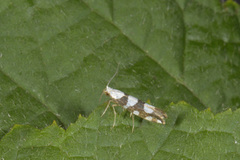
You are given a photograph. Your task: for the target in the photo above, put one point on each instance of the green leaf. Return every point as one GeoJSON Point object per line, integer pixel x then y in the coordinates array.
{"type": "Point", "coordinates": [188, 134]}
{"type": "Point", "coordinates": [57, 56]}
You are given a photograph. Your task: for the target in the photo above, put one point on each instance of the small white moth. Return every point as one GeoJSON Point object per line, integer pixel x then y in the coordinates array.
{"type": "Point", "coordinates": [133, 105]}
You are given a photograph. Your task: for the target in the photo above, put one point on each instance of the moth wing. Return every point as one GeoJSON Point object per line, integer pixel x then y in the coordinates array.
{"type": "Point", "coordinates": [160, 113]}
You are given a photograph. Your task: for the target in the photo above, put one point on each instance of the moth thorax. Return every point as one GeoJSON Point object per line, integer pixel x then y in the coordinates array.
{"type": "Point", "coordinates": [114, 93]}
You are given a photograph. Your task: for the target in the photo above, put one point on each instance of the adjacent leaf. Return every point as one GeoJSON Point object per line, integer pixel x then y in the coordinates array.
{"type": "Point", "coordinates": [188, 134]}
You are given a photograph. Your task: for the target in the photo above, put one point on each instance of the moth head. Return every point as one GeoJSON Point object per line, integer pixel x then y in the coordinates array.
{"type": "Point", "coordinates": [106, 91]}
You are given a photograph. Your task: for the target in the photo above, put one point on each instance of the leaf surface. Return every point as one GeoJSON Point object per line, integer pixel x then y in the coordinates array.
{"type": "Point", "coordinates": [56, 57]}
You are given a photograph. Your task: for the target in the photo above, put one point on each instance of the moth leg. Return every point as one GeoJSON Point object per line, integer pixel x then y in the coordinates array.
{"type": "Point", "coordinates": [115, 114]}
{"type": "Point", "coordinates": [101, 96]}
{"type": "Point", "coordinates": [133, 122]}
{"type": "Point", "coordinates": [106, 107]}
{"type": "Point", "coordinates": [132, 115]}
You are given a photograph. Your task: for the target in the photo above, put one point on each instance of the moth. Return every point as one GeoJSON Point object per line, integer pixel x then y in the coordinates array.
{"type": "Point", "coordinates": [133, 105]}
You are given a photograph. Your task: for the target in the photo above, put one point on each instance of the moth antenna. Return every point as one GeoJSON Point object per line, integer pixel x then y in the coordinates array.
{"type": "Point", "coordinates": [113, 75]}
{"type": "Point", "coordinates": [110, 81]}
